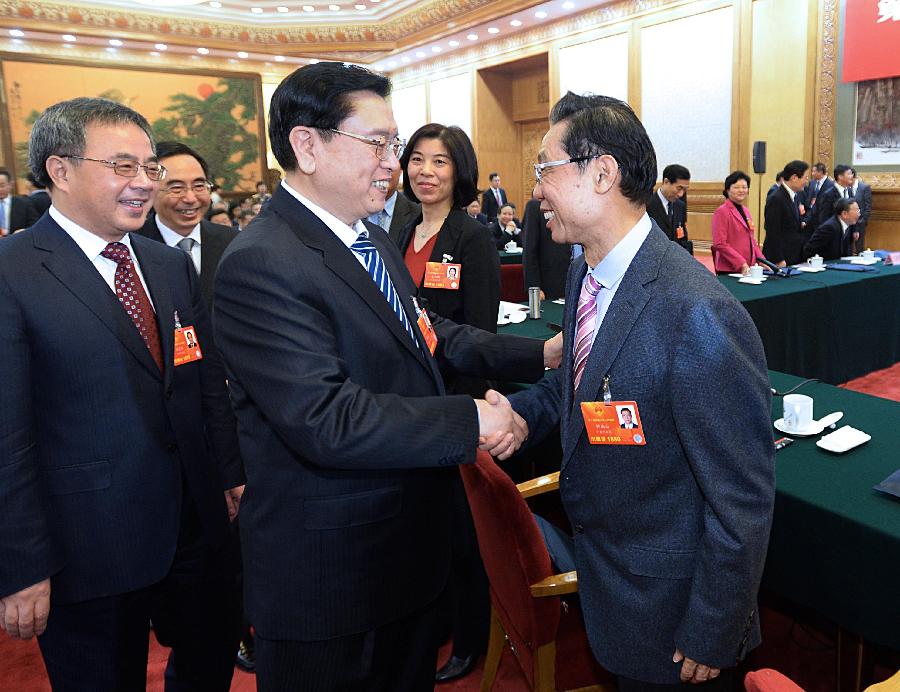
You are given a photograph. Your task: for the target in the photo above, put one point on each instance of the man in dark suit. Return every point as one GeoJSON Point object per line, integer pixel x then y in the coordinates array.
{"type": "Point", "coordinates": [841, 189]}
{"type": "Point", "coordinates": [16, 211]}
{"type": "Point", "coordinates": [784, 241]}
{"type": "Point", "coordinates": [818, 186]}
{"type": "Point", "coordinates": [493, 199]}
{"type": "Point", "coordinates": [862, 192]}
{"type": "Point", "coordinates": [39, 197]}
{"type": "Point", "coordinates": [347, 438]}
{"type": "Point", "coordinates": [667, 207]}
{"type": "Point", "coordinates": [474, 211]}
{"type": "Point", "coordinates": [398, 210]}
{"type": "Point", "coordinates": [545, 262]}
{"type": "Point", "coordinates": [117, 444]}
{"type": "Point", "coordinates": [672, 519]}
{"type": "Point", "coordinates": [180, 206]}
{"type": "Point", "coordinates": [837, 236]}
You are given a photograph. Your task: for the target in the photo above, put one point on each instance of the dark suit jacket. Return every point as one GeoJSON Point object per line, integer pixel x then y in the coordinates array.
{"type": "Point", "coordinates": [810, 201]}
{"type": "Point", "coordinates": [670, 536]}
{"type": "Point", "coordinates": [22, 213]}
{"type": "Point", "coordinates": [824, 208]}
{"type": "Point", "coordinates": [404, 211]}
{"type": "Point", "coordinates": [830, 241]}
{"type": "Point", "coordinates": [347, 440]}
{"type": "Point", "coordinates": [783, 238]}
{"type": "Point", "coordinates": [40, 201]}
{"type": "Point", "coordinates": [545, 262]}
{"type": "Point", "coordinates": [489, 203]}
{"type": "Point", "coordinates": [501, 237]}
{"type": "Point", "coordinates": [96, 440]}
{"type": "Point", "coordinates": [657, 212]}
{"type": "Point", "coordinates": [863, 197]}
{"type": "Point", "coordinates": [214, 238]}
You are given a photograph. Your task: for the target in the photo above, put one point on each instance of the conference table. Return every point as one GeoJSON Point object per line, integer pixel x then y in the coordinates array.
{"type": "Point", "coordinates": [510, 257]}
{"type": "Point", "coordinates": [835, 544]}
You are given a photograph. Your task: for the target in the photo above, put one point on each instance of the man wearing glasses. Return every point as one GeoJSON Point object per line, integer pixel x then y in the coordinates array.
{"type": "Point", "coordinates": [671, 525]}
{"type": "Point", "coordinates": [347, 435]}
{"type": "Point", "coordinates": [116, 456]}
{"type": "Point", "coordinates": [179, 209]}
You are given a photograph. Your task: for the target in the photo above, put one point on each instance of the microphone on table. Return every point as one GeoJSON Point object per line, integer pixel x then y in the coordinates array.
{"type": "Point", "coordinates": [776, 270]}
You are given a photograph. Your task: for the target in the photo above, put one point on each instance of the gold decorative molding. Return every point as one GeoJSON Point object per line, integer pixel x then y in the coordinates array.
{"type": "Point", "coordinates": [882, 181]}
{"type": "Point", "coordinates": [825, 83]}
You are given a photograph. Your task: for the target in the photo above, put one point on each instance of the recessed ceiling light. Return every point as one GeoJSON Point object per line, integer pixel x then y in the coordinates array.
{"type": "Point", "coordinates": [160, 46]}
{"type": "Point", "coordinates": [360, 7]}
{"type": "Point", "coordinates": [309, 8]}
{"type": "Point", "coordinates": [18, 33]}
{"type": "Point", "coordinates": [155, 53]}
{"type": "Point", "coordinates": [68, 37]}
{"type": "Point", "coordinates": [493, 30]}
{"type": "Point", "coordinates": [436, 49]}
{"type": "Point", "coordinates": [392, 63]}
{"type": "Point", "coordinates": [516, 22]}
{"type": "Point", "coordinates": [279, 58]}
{"type": "Point", "coordinates": [376, 0]}
{"type": "Point", "coordinates": [243, 54]}
{"type": "Point", "coordinates": [203, 51]}
{"type": "Point", "coordinates": [472, 37]}
{"type": "Point", "coordinates": [453, 44]}
{"type": "Point", "coordinates": [110, 49]}
{"type": "Point", "coordinates": [540, 14]}
{"type": "Point", "coordinates": [568, 5]}
{"type": "Point", "coordinates": [313, 61]}
{"type": "Point", "coordinates": [420, 53]}
{"type": "Point", "coordinates": [215, 5]}
{"type": "Point", "coordinates": [404, 59]}
{"type": "Point", "coordinates": [256, 10]}
{"type": "Point", "coordinates": [232, 61]}
{"type": "Point", "coordinates": [282, 8]}
{"type": "Point", "coordinates": [334, 8]}
{"type": "Point", "coordinates": [115, 42]}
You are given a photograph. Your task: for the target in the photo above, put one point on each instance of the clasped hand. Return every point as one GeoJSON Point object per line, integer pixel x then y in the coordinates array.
{"type": "Point", "coordinates": [502, 431]}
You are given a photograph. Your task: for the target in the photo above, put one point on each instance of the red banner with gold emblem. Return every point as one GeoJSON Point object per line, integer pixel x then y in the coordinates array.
{"type": "Point", "coordinates": [871, 40]}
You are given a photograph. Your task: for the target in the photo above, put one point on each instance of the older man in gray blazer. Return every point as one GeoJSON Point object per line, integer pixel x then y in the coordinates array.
{"type": "Point", "coordinates": [672, 517]}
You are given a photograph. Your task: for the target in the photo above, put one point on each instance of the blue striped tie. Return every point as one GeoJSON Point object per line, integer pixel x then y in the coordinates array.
{"type": "Point", "coordinates": [375, 266]}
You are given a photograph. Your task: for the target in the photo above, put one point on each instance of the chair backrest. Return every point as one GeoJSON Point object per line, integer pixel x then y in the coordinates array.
{"type": "Point", "coordinates": [512, 283]}
{"type": "Point", "coordinates": [515, 557]}
{"type": "Point", "coordinates": [769, 680]}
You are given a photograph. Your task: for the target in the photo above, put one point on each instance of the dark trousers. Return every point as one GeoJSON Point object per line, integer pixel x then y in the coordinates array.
{"type": "Point", "coordinates": [101, 645]}
{"type": "Point", "coordinates": [398, 657]}
{"type": "Point", "coordinates": [723, 683]}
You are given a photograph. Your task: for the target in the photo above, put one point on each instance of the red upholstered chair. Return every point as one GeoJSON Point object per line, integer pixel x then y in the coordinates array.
{"type": "Point", "coordinates": [546, 635]}
{"type": "Point", "coordinates": [512, 283]}
{"type": "Point", "coordinates": [768, 680]}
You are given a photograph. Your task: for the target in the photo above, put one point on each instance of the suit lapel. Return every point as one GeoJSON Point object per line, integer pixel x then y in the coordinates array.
{"type": "Point", "coordinates": [159, 287]}
{"type": "Point", "coordinates": [69, 265]}
{"type": "Point", "coordinates": [577, 272]}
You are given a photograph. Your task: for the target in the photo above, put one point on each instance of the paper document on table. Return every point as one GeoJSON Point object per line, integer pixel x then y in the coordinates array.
{"type": "Point", "coordinates": [890, 485]}
{"type": "Point", "coordinates": [511, 312]}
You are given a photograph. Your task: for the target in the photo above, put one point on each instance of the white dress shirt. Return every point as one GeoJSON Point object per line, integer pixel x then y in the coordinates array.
{"type": "Point", "coordinates": [172, 238]}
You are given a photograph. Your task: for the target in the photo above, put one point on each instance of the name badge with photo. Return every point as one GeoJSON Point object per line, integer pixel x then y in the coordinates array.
{"type": "Point", "coordinates": [613, 423]}
{"type": "Point", "coordinates": [187, 348]}
{"type": "Point", "coordinates": [443, 275]}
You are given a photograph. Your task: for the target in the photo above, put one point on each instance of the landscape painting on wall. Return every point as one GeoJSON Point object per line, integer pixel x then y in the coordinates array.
{"type": "Point", "coordinates": [877, 138]}
{"type": "Point", "coordinates": [218, 116]}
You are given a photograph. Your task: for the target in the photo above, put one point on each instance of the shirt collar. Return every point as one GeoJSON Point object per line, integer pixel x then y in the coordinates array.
{"type": "Point", "coordinates": [172, 238]}
{"type": "Point", "coordinates": [346, 234]}
{"type": "Point", "coordinates": [789, 190]}
{"type": "Point", "coordinates": [390, 203]}
{"type": "Point", "coordinates": [612, 268]}
{"type": "Point", "coordinates": [662, 197]}
{"type": "Point", "coordinates": [840, 187]}
{"type": "Point", "coordinates": [844, 225]}
{"type": "Point", "coordinates": [91, 245]}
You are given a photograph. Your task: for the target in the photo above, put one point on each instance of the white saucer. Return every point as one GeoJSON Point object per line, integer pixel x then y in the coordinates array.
{"type": "Point", "coordinates": [809, 269]}
{"type": "Point", "coordinates": [750, 280]}
{"type": "Point", "coordinates": [814, 429]}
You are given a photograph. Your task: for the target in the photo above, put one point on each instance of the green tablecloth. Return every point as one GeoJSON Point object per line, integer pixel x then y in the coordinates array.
{"type": "Point", "coordinates": [510, 257]}
{"type": "Point", "coordinates": [833, 325]}
{"type": "Point", "coordinates": [835, 543]}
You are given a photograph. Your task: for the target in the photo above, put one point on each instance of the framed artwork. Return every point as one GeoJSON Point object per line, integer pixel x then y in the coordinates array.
{"type": "Point", "coordinates": [219, 115]}
{"type": "Point", "coordinates": [876, 140]}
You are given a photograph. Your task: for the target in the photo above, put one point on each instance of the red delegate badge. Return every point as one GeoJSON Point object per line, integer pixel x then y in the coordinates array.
{"type": "Point", "coordinates": [442, 275]}
{"type": "Point", "coordinates": [187, 348]}
{"type": "Point", "coordinates": [615, 423]}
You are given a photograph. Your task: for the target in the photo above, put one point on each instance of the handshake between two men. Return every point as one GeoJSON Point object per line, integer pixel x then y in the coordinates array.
{"type": "Point", "coordinates": [501, 431]}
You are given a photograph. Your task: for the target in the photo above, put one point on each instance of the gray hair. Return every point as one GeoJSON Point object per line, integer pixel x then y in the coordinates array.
{"type": "Point", "coordinates": [60, 130]}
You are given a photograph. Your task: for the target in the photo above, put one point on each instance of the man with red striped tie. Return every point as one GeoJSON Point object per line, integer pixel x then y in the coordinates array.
{"type": "Point", "coordinates": [671, 507]}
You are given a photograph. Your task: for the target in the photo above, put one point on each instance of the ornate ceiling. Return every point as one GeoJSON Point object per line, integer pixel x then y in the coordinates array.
{"type": "Point", "coordinates": [294, 31]}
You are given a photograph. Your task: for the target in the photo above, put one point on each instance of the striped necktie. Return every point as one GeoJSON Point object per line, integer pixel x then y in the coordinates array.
{"type": "Point", "coordinates": [585, 320]}
{"type": "Point", "coordinates": [375, 266]}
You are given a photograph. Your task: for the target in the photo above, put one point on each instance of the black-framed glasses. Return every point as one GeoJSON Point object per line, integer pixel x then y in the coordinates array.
{"type": "Point", "coordinates": [126, 167]}
{"type": "Point", "coordinates": [381, 143]}
{"type": "Point", "coordinates": [198, 187]}
{"type": "Point", "coordinates": [539, 168]}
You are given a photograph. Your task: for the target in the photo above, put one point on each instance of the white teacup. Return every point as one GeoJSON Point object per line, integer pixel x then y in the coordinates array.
{"type": "Point", "coordinates": [756, 272]}
{"type": "Point", "coordinates": [815, 261]}
{"type": "Point", "coordinates": [798, 412]}
{"type": "Point", "coordinates": [867, 254]}
{"type": "Point", "coordinates": [510, 246]}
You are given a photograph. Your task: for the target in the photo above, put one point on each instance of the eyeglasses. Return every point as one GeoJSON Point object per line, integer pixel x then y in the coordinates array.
{"type": "Point", "coordinates": [539, 168]}
{"type": "Point", "coordinates": [199, 187]}
{"type": "Point", "coordinates": [380, 143]}
{"type": "Point", "coordinates": [126, 168]}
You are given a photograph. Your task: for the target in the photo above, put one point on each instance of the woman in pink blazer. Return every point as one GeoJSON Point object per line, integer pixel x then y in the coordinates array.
{"type": "Point", "coordinates": [734, 246]}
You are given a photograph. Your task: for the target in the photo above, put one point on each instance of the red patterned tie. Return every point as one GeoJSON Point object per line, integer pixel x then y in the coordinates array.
{"type": "Point", "coordinates": [134, 299]}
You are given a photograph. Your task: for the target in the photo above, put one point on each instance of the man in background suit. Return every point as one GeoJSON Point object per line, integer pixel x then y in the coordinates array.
{"type": "Point", "coordinates": [837, 236]}
{"type": "Point", "coordinates": [398, 210]}
{"type": "Point", "coordinates": [843, 182]}
{"type": "Point", "coordinates": [16, 211]}
{"type": "Point", "coordinates": [180, 206]}
{"type": "Point", "coordinates": [347, 436]}
{"type": "Point", "coordinates": [545, 262]}
{"type": "Point", "coordinates": [784, 241]}
{"type": "Point", "coordinates": [818, 186]}
{"type": "Point", "coordinates": [668, 208]}
{"type": "Point", "coordinates": [863, 194]}
{"type": "Point", "coordinates": [493, 199]}
{"type": "Point", "coordinates": [474, 211]}
{"type": "Point", "coordinates": [114, 453]}
{"type": "Point", "coordinates": [672, 519]}
{"type": "Point", "coordinates": [39, 197]}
